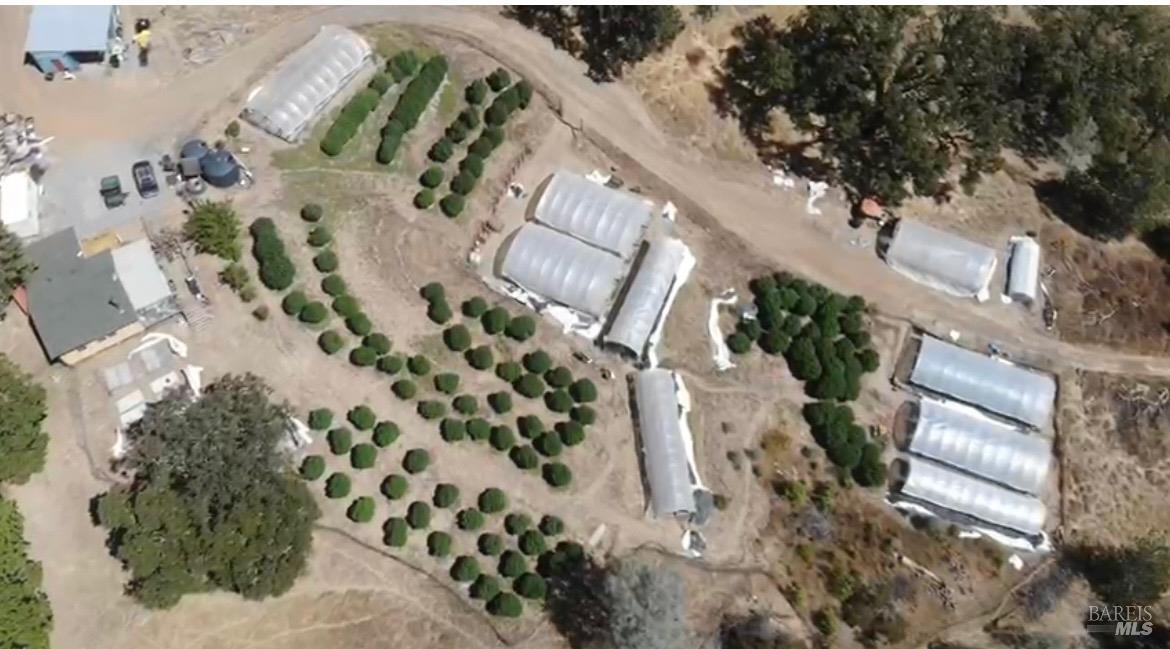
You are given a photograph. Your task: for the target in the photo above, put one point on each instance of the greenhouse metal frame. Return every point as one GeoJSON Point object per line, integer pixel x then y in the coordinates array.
{"type": "Point", "coordinates": [642, 307]}
{"type": "Point", "coordinates": [664, 452]}
{"type": "Point", "coordinates": [562, 269]}
{"type": "Point", "coordinates": [293, 97]}
{"type": "Point", "coordinates": [598, 215]}
{"type": "Point", "coordinates": [962, 438]}
{"type": "Point", "coordinates": [941, 260]}
{"type": "Point", "coordinates": [937, 485]}
{"type": "Point", "coordinates": [992, 384]}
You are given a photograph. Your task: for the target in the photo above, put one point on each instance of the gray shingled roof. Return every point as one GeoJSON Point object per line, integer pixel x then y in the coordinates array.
{"type": "Point", "coordinates": [74, 300]}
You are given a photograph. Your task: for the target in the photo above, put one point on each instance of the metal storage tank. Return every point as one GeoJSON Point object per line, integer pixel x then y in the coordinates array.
{"type": "Point", "coordinates": [220, 169]}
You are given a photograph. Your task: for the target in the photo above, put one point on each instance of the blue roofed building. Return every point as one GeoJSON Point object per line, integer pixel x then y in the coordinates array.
{"type": "Point", "coordinates": [61, 37]}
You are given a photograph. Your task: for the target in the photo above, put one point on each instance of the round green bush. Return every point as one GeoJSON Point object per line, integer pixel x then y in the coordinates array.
{"type": "Point", "coordinates": [501, 402]}
{"type": "Point", "coordinates": [465, 569]}
{"type": "Point", "coordinates": [524, 457]}
{"type": "Point", "coordinates": [739, 343]}
{"type": "Point", "coordinates": [524, 93]}
{"type": "Point", "coordinates": [530, 586]}
{"type": "Point", "coordinates": [361, 510]}
{"type": "Point", "coordinates": [558, 401]}
{"type": "Point", "coordinates": [499, 79]}
{"type": "Point", "coordinates": [419, 365]}
{"type": "Point", "coordinates": [320, 419]}
{"type": "Point", "coordinates": [363, 357]}
{"type": "Point", "coordinates": [516, 523]}
{"type": "Point", "coordinates": [551, 525]}
{"type": "Point", "coordinates": [571, 433]}
{"type": "Point", "coordinates": [548, 444]}
{"type": "Point", "coordinates": [465, 404]}
{"type": "Point", "coordinates": [432, 409]}
{"type": "Point", "coordinates": [457, 338]}
{"type": "Point", "coordinates": [463, 183]}
{"type": "Point", "coordinates": [262, 227]}
{"type": "Point", "coordinates": [416, 460]}
{"type": "Point", "coordinates": [537, 362]}
{"type": "Point", "coordinates": [502, 438]}
{"type": "Point", "coordinates": [424, 199]}
{"type": "Point", "coordinates": [394, 486]}
{"type": "Point", "coordinates": [313, 313]}
{"type": "Point", "coordinates": [472, 164]}
{"type": "Point", "coordinates": [294, 302]}
{"type": "Point", "coordinates": [333, 285]}
{"type": "Point", "coordinates": [312, 212]}
{"type": "Point", "coordinates": [312, 467]}
{"type": "Point", "coordinates": [495, 320]}
{"type": "Point", "coordinates": [380, 343]}
{"type": "Point", "coordinates": [583, 415]}
{"type": "Point", "coordinates": [385, 434]}
{"type": "Point", "coordinates": [521, 328]}
{"type": "Point", "coordinates": [395, 532]}
{"type": "Point", "coordinates": [330, 342]}
{"type": "Point", "coordinates": [505, 605]}
{"type": "Point", "coordinates": [447, 382]}
{"type": "Point", "coordinates": [492, 501]}
{"type": "Point", "coordinates": [433, 292]}
{"type": "Point", "coordinates": [485, 587]}
{"type": "Point", "coordinates": [490, 544]}
{"type": "Point", "coordinates": [380, 83]}
{"type": "Point", "coordinates": [456, 132]}
{"type": "Point", "coordinates": [530, 426]}
{"type": "Point", "coordinates": [469, 519]}
{"type": "Point", "coordinates": [452, 205]}
{"type": "Point", "coordinates": [362, 417]}
{"type": "Point", "coordinates": [445, 495]}
{"type": "Point", "coordinates": [750, 328]}
{"type": "Point", "coordinates": [481, 148]}
{"type": "Point", "coordinates": [438, 544]}
{"type": "Point", "coordinates": [360, 325]}
{"type": "Point", "coordinates": [530, 385]}
{"type": "Point", "coordinates": [277, 273]}
{"type": "Point", "coordinates": [337, 486]}
{"type": "Point", "coordinates": [512, 564]}
{"type": "Point", "coordinates": [556, 474]}
{"type": "Point", "coordinates": [559, 377]}
{"type": "Point", "coordinates": [439, 312]}
{"type": "Point", "coordinates": [325, 261]}
{"type": "Point", "coordinates": [869, 359]}
{"type": "Point", "coordinates": [363, 456]}
{"type": "Point", "coordinates": [478, 429]}
{"type": "Point", "coordinates": [418, 515]}
{"type": "Point", "coordinates": [475, 93]}
{"type": "Point", "coordinates": [583, 391]}
{"type": "Point", "coordinates": [494, 135]}
{"type": "Point", "coordinates": [481, 357]}
{"type": "Point", "coordinates": [320, 236]}
{"type": "Point", "coordinates": [432, 177]}
{"type": "Point", "coordinates": [452, 430]}
{"type": "Point", "coordinates": [509, 371]}
{"type": "Point", "coordinates": [404, 389]}
{"type": "Point", "coordinates": [390, 364]}
{"type": "Point", "coordinates": [474, 307]}
{"type": "Point", "coordinates": [340, 441]}
{"type": "Point", "coordinates": [346, 306]}
{"type": "Point", "coordinates": [442, 150]}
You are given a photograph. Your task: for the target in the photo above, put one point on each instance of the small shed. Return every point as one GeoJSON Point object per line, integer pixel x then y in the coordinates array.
{"type": "Point", "coordinates": [61, 37]}
{"type": "Point", "coordinates": [1023, 270]}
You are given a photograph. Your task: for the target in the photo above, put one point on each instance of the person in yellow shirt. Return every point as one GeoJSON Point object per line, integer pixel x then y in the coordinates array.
{"type": "Point", "coordinates": [142, 40]}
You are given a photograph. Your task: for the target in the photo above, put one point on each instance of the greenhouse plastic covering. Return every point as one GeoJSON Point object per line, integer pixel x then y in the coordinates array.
{"type": "Point", "coordinates": [304, 83]}
{"type": "Point", "coordinates": [940, 259]}
{"type": "Point", "coordinates": [562, 269]}
{"type": "Point", "coordinates": [604, 217]}
{"type": "Point", "coordinates": [647, 295]}
{"type": "Point", "coordinates": [1023, 269]}
{"type": "Point", "coordinates": [949, 489]}
{"type": "Point", "coordinates": [663, 448]}
{"type": "Point", "coordinates": [991, 384]}
{"type": "Point", "coordinates": [964, 439]}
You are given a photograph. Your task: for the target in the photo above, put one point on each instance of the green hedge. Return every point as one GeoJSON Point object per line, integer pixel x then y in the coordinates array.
{"type": "Point", "coordinates": [439, 312]}
{"type": "Point", "coordinates": [432, 177]}
{"type": "Point", "coordinates": [294, 302]}
{"type": "Point", "coordinates": [276, 269]}
{"type": "Point", "coordinates": [346, 306]}
{"type": "Point", "coordinates": [463, 183]}
{"type": "Point", "coordinates": [403, 65]}
{"type": "Point", "coordinates": [583, 391]}
{"type": "Point", "coordinates": [485, 587]}
{"type": "Point", "coordinates": [476, 92]}
{"type": "Point", "coordinates": [356, 110]}
{"type": "Point", "coordinates": [363, 357]}
{"type": "Point", "coordinates": [411, 104]}
{"type": "Point", "coordinates": [505, 605]}
{"type": "Point", "coordinates": [391, 141]}
{"type": "Point", "coordinates": [380, 343]}
{"type": "Point", "coordinates": [441, 150]}
{"type": "Point", "coordinates": [381, 83]}
{"type": "Point", "coordinates": [385, 433]}
{"type": "Point", "coordinates": [472, 164]}
{"type": "Point", "coordinates": [325, 261]}
{"type": "Point", "coordinates": [313, 313]}
{"type": "Point", "coordinates": [456, 132]}
{"type": "Point", "coordinates": [333, 285]}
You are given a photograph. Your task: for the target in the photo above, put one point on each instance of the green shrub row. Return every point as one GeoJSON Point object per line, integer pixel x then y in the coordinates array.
{"type": "Point", "coordinates": [845, 442]}
{"type": "Point", "coordinates": [411, 104]}
{"type": "Point", "coordinates": [356, 110]}
{"type": "Point", "coordinates": [276, 269]}
{"type": "Point", "coordinates": [403, 65]}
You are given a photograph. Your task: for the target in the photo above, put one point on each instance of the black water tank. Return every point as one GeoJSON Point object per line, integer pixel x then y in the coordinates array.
{"type": "Point", "coordinates": [220, 169]}
{"type": "Point", "coordinates": [194, 149]}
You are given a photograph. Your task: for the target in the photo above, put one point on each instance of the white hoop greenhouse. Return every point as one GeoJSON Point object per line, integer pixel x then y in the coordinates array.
{"type": "Point", "coordinates": [607, 218]}
{"type": "Point", "coordinates": [562, 269]}
{"type": "Point", "coordinates": [663, 450]}
{"type": "Point", "coordinates": [941, 260]}
{"type": "Point", "coordinates": [643, 303]}
{"type": "Point", "coordinates": [979, 499]}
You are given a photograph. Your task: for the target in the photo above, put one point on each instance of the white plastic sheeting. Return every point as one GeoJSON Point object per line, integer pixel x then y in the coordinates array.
{"type": "Point", "coordinates": [644, 302]}
{"type": "Point", "coordinates": [1023, 269]}
{"type": "Point", "coordinates": [979, 499]}
{"type": "Point", "coordinates": [20, 198]}
{"type": "Point", "coordinates": [562, 269]}
{"type": "Point", "coordinates": [992, 384]}
{"type": "Point", "coordinates": [720, 352]}
{"type": "Point", "coordinates": [664, 450]}
{"type": "Point", "coordinates": [607, 218]}
{"type": "Point", "coordinates": [941, 260]}
{"type": "Point", "coordinates": [303, 84]}
{"type": "Point", "coordinates": [962, 438]}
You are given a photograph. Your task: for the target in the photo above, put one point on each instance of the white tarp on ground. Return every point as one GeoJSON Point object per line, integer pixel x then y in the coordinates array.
{"type": "Point", "coordinates": [963, 438]}
{"type": "Point", "coordinates": [664, 451]}
{"type": "Point", "coordinates": [289, 100]}
{"type": "Point", "coordinates": [989, 383]}
{"type": "Point", "coordinates": [1023, 269]}
{"type": "Point", "coordinates": [644, 303]}
{"type": "Point", "coordinates": [937, 485]}
{"type": "Point", "coordinates": [607, 218]}
{"type": "Point", "coordinates": [941, 260]}
{"type": "Point", "coordinates": [20, 199]}
{"type": "Point", "coordinates": [561, 269]}
{"type": "Point", "coordinates": [1039, 544]}
{"type": "Point", "coordinates": [720, 352]}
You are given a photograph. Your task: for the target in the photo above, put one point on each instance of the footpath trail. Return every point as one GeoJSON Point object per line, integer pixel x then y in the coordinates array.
{"type": "Point", "coordinates": [612, 115]}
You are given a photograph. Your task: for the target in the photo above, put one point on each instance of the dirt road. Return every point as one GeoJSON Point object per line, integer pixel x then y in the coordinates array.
{"type": "Point", "coordinates": [611, 113]}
